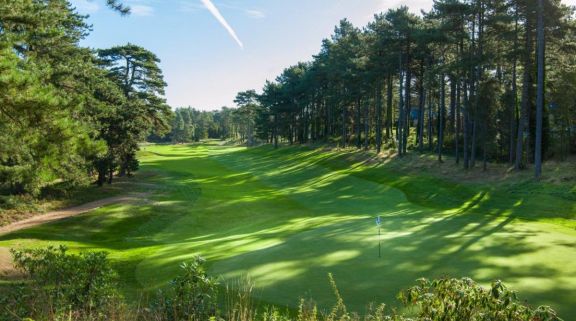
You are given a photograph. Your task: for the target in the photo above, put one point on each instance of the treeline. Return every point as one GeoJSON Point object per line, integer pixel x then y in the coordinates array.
{"type": "Point", "coordinates": [236, 124]}
{"type": "Point", "coordinates": [466, 78]}
{"type": "Point", "coordinates": [68, 113]}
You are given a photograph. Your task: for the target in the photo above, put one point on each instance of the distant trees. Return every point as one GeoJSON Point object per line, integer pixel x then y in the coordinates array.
{"type": "Point", "coordinates": [238, 124]}
{"type": "Point", "coordinates": [64, 113]}
{"type": "Point", "coordinates": [461, 77]}
{"type": "Point", "coordinates": [192, 125]}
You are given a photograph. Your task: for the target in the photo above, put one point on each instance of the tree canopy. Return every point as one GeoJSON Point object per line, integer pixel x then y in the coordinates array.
{"type": "Point", "coordinates": [65, 111]}
{"type": "Point", "coordinates": [458, 79]}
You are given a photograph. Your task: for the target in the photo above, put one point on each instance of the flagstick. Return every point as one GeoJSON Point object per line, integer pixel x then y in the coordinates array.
{"type": "Point", "coordinates": [379, 243]}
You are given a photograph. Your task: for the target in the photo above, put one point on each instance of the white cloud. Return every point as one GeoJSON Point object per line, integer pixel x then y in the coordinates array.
{"type": "Point", "coordinates": [86, 6]}
{"type": "Point", "coordinates": [141, 10]}
{"type": "Point", "coordinates": [256, 14]}
{"type": "Point", "coordinates": [186, 6]}
{"type": "Point", "coordinates": [216, 13]}
{"type": "Point", "coordinates": [252, 13]}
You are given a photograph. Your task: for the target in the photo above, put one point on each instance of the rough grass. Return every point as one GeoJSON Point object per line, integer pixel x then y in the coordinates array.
{"type": "Point", "coordinates": [14, 208]}
{"type": "Point", "coordinates": [288, 217]}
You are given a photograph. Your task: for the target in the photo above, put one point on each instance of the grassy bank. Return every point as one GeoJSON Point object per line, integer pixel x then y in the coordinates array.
{"type": "Point", "coordinates": [14, 208]}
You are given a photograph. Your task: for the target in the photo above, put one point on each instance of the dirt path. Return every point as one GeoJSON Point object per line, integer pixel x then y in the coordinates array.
{"type": "Point", "coordinates": [60, 214]}
{"type": "Point", "coordinates": [7, 271]}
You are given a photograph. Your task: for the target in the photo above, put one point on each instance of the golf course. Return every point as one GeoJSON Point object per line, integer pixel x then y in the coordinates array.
{"type": "Point", "coordinates": [286, 218]}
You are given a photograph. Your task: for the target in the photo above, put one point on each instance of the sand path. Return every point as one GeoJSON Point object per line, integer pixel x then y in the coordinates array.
{"type": "Point", "coordinates": [6, 268]}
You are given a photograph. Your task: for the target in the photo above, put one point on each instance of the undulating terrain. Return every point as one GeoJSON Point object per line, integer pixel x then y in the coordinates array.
{"type": "Point", "coordinates": [288, 217]}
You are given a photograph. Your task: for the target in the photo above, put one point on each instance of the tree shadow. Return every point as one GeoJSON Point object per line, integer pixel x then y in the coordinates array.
{"type": "Point", "coordinates": [289, 217]}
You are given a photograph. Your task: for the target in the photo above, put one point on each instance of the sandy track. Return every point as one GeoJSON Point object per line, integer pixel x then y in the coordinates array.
{"type": "Point", "coordinates": [6, 268]}
{"type": "Point", "coordinates": [60, 214]}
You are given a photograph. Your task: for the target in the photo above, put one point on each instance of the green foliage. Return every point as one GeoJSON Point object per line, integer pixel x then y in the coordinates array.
{"type": "Point", "coordinates": [192, 125]}
{"type": "Point", "coordinates": [463, 299]}
{"type": "Point", "coordinates": [65, 113]}
{"type": "Point", "coordinates": [192, 295]}
{"type": "Point", "coordinates": [136, 72]}
{"type": "Point", "coordinates": [59, 285]}
{"type": "Point", "coordinates": [461, 75]}
{"type": "Point", "coordinates": [234, 124]}
{"type": "Point", "coordinates": [81, 287]}
{"type": "Point", "coordinates": [217, 201]}
{"type": "Point", "coordinates": [39, 139]}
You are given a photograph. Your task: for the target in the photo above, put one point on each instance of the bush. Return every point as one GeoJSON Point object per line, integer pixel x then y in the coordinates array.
{"type": "Point", "coordinates": [62, 286]}
{"type": "Point", "coordinates": [190, 296]}
{"type": "Point", "coordinates": [59, 285]}
{"type": "Point", "coordinates": [463, 299]}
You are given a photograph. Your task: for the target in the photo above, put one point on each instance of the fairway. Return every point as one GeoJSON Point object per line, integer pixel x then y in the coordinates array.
{"type": "Point", "coordinates": [288, 217]}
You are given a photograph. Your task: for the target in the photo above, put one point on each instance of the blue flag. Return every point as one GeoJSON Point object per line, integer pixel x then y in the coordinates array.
{"type": "Point", "coordinates": [378, 221]}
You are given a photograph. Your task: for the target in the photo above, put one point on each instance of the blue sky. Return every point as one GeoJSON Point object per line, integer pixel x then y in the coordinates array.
{"type": "Point", "coordinates": [205, 64]}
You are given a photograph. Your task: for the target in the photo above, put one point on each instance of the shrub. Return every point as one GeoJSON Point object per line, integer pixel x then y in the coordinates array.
{"type": "Point", "coordinates": [463, 299]}
{"type": "Point", "coordinates": [62, 286]}
{"type": "Point", "coordinates": [190, 296]}
{"type": "Point", "coordinates": [59, 285]}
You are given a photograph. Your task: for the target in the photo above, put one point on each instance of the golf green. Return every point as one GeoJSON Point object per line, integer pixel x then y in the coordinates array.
{"type": "Point", "coordinates": [288, 217]}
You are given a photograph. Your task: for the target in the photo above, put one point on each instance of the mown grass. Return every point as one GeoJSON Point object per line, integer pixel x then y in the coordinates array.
{"type": "Point", "coordinates": [288, 217]}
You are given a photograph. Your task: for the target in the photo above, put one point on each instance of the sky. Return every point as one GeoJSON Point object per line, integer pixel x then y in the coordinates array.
{"type": "Point", "coordinates": [212, 49]}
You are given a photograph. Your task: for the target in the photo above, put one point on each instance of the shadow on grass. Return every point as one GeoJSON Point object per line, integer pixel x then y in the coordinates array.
{"type": "Point", "coordinates": [289, 217]}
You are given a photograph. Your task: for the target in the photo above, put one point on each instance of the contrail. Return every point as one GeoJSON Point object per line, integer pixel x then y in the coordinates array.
{"type": "Point", "coordinates": [216, 13]}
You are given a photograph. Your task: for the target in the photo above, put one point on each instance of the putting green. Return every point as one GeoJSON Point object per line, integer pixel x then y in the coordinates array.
{"type": "Point", "coordinates": [289, 217]}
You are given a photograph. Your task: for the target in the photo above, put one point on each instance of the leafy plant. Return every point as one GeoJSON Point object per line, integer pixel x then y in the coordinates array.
{"type": "Point", "coordinates": [60, 284]}
{"type": "Point", "coordinates": [191, 296]}
{"type": "Point", "coordinates": [463, 299]}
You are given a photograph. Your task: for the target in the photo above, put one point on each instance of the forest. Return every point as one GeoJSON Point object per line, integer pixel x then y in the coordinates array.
{"type": "Point", "coordinates": [467, 79]}
{"type": "Point", "coordinates": [68, 113]}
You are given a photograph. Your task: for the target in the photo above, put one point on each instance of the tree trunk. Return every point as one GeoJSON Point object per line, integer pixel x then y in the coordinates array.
{"type": "Point", "coordinates": [407, 105]}
{"type": "Point", "coordinates": [441, 108]}
{"type": "Point", "coordinates": [540, 93]}
{"type": "Point", "coordinates": [421, 105]}
{"type": "Point", "coordinates": [430, 127]}
{"type": "Point", "coordinates": [453, 105]}
{"type": "Point", "coordinates": [101, 177]}
{"type": "Point", "coordinates": [389, 109]}
{"type": "Point", "coordinates": [400, 129]}
{"type": "Point", "coordinates": [513, 112]}
{"type": "Point", "coordinates": [110, 174]}
{"type": "Point", "coordinates": [358, 124]}
{"type": "Point", "coordinates": [523, 124]}
{"type": "Point", "coordinates": [466, 127]}
{"type": "Point", "coordinates": [123, 169]}
{"type": "Point", "coordinates": [457, 120]}
{"type": "Point", "coordinates": [474, 138]}
{"type": "Point", "coordinates": [485, 149]}
{"type": "Point", "coordinates": [275, 131]}
{"type": "Point", "coordinates": [378, 119]}
{"type": "Point", "coordinates": [344, 138]}
{"type": "Point", "coordinates": [366, 125]}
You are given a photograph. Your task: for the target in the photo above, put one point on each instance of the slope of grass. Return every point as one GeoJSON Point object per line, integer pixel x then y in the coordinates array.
{"type": "Point", "coordinates": [15, 208]}
{"type": "Point", "coordinates": [288, 217]}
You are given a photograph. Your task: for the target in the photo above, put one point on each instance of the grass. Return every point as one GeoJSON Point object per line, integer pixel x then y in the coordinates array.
{"type": "Point", "coordinates": [57, 196]}
{"type": "Point", "coordinates": [288, 217]}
